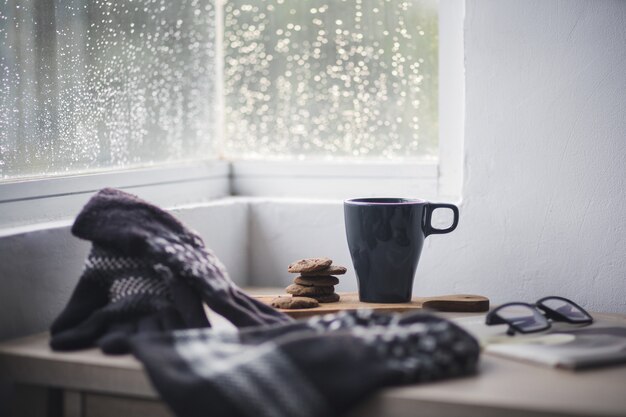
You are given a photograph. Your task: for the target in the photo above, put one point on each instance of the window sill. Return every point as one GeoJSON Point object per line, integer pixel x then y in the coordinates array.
{"type": "Point", "coordinates": [335, 179]}
{"type": "Point", "coordinates": [31, 201]}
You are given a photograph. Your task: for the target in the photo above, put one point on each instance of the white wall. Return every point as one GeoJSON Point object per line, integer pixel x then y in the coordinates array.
{"type": "Point", "coordinates": [545, 191]}
{"type": "Point", "coordinates": [544, 196]}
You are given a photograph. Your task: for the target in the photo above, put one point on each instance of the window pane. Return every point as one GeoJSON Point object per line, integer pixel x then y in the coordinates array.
{"type": "Point", "coordinates": [326, 78]}
{"type": "Point", "coordinates": [89, 84]}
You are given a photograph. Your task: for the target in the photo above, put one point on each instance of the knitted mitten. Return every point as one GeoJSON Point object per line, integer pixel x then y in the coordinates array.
{"type": "Point", "coordinates": [132, 227]}
{"type": "Point", "coordinates": [118, 296]}
{"type": "Point", "coordinates": [322, 366]}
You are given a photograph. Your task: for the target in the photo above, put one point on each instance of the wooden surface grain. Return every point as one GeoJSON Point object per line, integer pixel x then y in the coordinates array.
{"type": "Point", "coordinates": [462, 303]}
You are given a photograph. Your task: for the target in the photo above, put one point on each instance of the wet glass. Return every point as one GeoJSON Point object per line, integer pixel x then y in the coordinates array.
{"type": "Point", "coordinates": [87, 85]}
{"type": "Point", "coordinates": [99, 84]}
{"type": "Point", "coordinates": [331, 78]}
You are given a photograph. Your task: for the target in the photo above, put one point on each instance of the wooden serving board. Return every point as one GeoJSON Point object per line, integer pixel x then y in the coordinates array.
{"type": "Point", "coordinates": [465, 303]}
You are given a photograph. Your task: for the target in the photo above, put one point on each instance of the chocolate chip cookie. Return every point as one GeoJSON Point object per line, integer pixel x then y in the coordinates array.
{"type": "Point", "coordinates": [310, 265]}
{"type": "Point", "coordinates": [326, 298]}
{"type": "Point", "coordinates": [329, 270]}
{"type": "Point", "coordinates": [296, 289]}
{"type": "Point", "coordinates": [315, 281]}
{"type": "Point", "coordinates": [291, 303]}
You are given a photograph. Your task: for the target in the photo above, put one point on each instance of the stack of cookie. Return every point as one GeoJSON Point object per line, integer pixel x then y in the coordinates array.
{"type": "Point", "coordinates": [315, 284]}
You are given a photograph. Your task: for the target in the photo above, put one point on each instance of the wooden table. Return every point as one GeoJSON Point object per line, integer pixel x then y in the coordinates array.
{"type": "Point", "coordinates": [90, 384]}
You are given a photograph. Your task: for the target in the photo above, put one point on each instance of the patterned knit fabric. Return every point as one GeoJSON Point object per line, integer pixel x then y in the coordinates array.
{"type": "Point", "coordinates": [118, 296]}
{"type": "Point", "coordinates": [200, 267]}
{"type": "Point", "coordinates": [146, 272]}
{"type": "Point", "coordinates": [124, 276]}
{"type": "Point", "coordinates": [135, 228]}
{"type": "Point", "coordinates": [321, 366]}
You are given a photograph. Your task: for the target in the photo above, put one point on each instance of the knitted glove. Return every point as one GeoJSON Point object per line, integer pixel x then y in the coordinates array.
{"type": "Point", "coordinates": [118, 296]}
{"type": "Point", "coordinates": [323, 366]}
{"type": "Point", "coordinates": [114, 219]}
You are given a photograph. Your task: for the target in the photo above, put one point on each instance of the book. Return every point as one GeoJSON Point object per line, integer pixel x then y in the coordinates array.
{"type": "Point", "coordinates": [564, 345]}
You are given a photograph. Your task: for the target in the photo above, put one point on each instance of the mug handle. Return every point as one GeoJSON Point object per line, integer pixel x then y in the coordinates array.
{"type": "Point", "coordinates": [430, 208]}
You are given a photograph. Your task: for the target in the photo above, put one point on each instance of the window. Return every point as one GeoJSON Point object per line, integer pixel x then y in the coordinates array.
{"type": "Point", "coordinates": [92, 84]}
{"type": "Point", "coordinates": [331, 78]}
{"type": "Point", "coordinates": [107, 85]}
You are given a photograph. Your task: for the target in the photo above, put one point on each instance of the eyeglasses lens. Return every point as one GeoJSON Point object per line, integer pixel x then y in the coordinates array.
{"type": "Point", "coordinates": [566, 309]}
{"type": "Point", "coordinates": [525, 318]}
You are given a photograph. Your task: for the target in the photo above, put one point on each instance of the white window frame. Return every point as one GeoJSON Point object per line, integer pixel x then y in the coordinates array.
{"type": "Point", "coordinates": [38, 200]}
{"type": "Point", "coordinates": [451, 99]}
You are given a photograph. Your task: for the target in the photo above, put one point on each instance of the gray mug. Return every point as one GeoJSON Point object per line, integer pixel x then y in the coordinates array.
{"type": "Point", "coordinates": [385, 238]}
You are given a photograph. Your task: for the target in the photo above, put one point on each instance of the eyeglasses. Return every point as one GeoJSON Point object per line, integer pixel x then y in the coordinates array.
{"type": "Point", "coordinates": [531, 318]}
